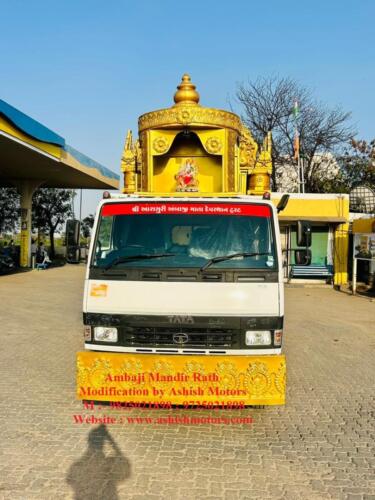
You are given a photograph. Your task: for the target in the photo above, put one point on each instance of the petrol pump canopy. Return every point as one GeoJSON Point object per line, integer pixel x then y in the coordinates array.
{"type": "Point", "coordinates": [29, 150]}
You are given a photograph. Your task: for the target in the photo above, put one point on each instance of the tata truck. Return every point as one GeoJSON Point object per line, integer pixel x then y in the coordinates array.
{"type": "Point", "coordinates": [184, 302]}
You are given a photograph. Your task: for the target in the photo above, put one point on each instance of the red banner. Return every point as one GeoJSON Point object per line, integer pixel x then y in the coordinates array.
{"type": "Point", "coordinates": [172, 208]}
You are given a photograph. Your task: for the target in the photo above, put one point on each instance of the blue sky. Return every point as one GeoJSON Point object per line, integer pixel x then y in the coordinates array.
{"type": "Point", "coordinates": [88, 69]}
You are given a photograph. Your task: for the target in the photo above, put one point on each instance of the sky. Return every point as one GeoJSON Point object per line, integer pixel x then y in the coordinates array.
{"type": "Point", "coordinates": [87, 69]}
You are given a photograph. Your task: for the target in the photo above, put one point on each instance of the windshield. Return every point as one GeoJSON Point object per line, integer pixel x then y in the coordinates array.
{"type": "Point", "coordinates": [172, 234]}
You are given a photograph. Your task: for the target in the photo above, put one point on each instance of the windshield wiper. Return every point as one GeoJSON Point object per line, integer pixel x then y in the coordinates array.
{"type": "Point", "coordinates": [231, 256]}
{"type": "Point", "coordinates": [142, 256]}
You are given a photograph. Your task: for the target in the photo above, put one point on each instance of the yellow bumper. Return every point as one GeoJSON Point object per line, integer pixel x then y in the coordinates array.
{"type": "Point", "coordinates": [181, 380]}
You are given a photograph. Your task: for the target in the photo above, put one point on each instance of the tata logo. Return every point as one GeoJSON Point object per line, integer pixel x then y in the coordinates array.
{"type": "Point", "coordinates": [181, 320]}
{"type": "Point", "coordinates": [180, 338]}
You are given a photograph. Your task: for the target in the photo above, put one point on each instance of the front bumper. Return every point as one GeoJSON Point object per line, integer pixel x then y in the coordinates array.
{"type": "Point", "coordinates": [181, 379]}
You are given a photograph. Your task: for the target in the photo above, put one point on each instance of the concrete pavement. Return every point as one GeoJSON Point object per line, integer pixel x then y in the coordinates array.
{"type": "Point", "coordinates": [320, 445]}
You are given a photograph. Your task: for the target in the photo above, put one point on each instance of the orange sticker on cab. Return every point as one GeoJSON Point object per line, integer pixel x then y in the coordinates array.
{"type": "Point", "coordinates": [98, 290]}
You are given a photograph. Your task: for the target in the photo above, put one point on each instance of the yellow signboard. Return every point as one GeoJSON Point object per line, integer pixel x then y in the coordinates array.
{"type": "Point", "coordinates": [181, 379]}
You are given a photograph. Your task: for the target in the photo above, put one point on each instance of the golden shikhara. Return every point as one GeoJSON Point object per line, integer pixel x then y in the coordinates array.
{"type": "Point", "coordinates": [226, 158]}
{"type": "Point", "coordinates": [251, 380]}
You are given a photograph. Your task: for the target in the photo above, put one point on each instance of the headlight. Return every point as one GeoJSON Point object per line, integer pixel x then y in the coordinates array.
{"type": "Point", "coordinates": [258, 337]}
{"type": "Point", "coordinates": [105, 334]}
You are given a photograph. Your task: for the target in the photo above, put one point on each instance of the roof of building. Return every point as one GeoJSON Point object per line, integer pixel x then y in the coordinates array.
{"type": "Point", "coordinates": [30, 126]}
{"type": "Point", "coordinates": [22, 138]}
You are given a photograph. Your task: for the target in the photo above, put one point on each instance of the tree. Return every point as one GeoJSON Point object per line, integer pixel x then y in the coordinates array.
{"type": "Point", "coordinates": [357, 167]}
{"type": "Point", "coordinates": [87, 225]}
{"type": "Point", "coordinates": [358, 164]}
{"type": "Point", "coordinates": [51, 208]}
{"type": "Point", "coordinates": [9, 209]}
{"type": "Point", "coordinates": [268, 106]}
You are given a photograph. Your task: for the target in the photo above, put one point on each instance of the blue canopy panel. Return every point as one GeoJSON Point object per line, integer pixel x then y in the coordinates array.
{"type": "Point", "coordinates": [30, 126]}
{"type": "Point", "coordinates": [88, 162]}
{"type": "Point", "coordinates": [37, 131]}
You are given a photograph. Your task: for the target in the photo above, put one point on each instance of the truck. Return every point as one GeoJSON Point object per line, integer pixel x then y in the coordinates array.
{"type": "Point", "coordinates": [184, 295]}
{"type": "Point", "coordinates": [195, 280]}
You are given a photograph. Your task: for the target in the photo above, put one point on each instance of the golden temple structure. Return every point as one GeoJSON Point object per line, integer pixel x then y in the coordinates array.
{"type": "Point", "coordinates": [188, 149]}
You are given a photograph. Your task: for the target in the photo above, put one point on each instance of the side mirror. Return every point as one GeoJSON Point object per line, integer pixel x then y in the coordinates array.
{"type": "Point", "coordinates": [282, 203]}
{"type": "Point", "coordinates": [302, 257]}
{"type": "Point", "coordinates": [304, 233]}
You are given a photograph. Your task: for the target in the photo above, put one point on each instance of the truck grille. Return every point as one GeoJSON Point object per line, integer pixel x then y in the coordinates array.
{"type": "Point", "coordinates": [179, 337]}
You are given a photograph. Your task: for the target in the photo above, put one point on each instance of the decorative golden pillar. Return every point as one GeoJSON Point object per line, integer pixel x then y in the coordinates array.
{"type": "Point", "coordinates": [130, 163]}
{"type": "Point", "coordinates": [260, 175]}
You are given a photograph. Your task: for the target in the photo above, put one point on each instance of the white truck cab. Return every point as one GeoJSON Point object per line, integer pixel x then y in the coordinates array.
{"type": "Point", "coordinates": [186, 276]}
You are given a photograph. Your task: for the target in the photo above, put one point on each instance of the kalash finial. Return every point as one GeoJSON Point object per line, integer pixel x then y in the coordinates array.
{"type": "Point", "coordinates": [186, 93]}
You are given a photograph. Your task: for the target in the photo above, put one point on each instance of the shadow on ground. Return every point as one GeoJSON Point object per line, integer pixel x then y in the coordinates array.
{"type": "Point", "coordinates": [97, 473]}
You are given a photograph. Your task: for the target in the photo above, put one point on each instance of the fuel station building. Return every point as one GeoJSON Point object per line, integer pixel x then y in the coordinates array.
{"type": "Point", "coordinates": [33, 156]}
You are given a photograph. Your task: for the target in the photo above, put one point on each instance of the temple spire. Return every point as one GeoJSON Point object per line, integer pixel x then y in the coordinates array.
{"type": "Point", "coordinates": [186, 93]}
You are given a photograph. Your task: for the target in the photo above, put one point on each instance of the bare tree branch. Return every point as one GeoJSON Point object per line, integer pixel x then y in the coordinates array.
{"type": "Point", "coordinates": [268, 106]}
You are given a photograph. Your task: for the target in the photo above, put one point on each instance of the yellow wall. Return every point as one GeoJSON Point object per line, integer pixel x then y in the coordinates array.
{"type": "Point", "coordinates": [341, 254]}
{"type": "Point", "coordinates": [334, 207]}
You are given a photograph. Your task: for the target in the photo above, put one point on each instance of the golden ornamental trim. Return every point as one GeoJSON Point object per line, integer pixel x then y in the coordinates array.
{"type": "Point", "coordinates": [185, 116]}
{"type": "Point", "coordinates": [189, 115]}
{"type": "Point", "coordinates": [213, 145]}
{"type": "Point", "coordinates": [257, 379]}
{"type": "Point", "coordinates": [133, 377]}
{"type": "Point", "coordinates": [160, 144]}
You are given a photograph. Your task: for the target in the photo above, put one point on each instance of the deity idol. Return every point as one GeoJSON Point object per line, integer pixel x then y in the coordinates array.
{"type": "Point", "coordinates": [187, 177]}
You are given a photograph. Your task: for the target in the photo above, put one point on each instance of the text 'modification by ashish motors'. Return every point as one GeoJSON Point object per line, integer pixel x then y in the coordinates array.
{"type": "Point", "coordinates": [161, 386]}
